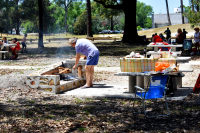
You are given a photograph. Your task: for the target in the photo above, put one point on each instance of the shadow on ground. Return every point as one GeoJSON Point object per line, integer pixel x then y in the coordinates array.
{"type": "Point", "coordinates": [96, 115]}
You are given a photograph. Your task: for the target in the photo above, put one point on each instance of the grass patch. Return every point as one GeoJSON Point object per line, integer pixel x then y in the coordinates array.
{"type": "Point", "coordinates": [31, 101]}
{"type": "Point", "coordinates": [81, 129]}
{"type": "Point", "coordinates": [173, 29]}
{"type": "Point", "coordinates": [78, 100]}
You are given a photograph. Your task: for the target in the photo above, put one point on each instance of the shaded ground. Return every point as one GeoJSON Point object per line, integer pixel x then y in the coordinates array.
{"type": "Point", "coordinates": [27, 110]}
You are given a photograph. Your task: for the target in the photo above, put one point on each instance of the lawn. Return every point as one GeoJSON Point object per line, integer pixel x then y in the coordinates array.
{"type": "Point", "coordinates": [173, 29]}
{"type": "Point", "coordinates": [61, 35]}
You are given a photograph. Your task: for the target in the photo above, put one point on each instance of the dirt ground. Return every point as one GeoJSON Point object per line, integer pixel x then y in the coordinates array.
{"type": "Point", "coordinates": [23, 109]}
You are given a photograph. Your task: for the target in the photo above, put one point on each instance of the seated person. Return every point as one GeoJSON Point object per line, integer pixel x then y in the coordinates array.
{"type": "Point", "coordinates": [15, 49]}
{"type": "Point", "coordinates": [162, 37]}
{"type": "Point", "coordinates": [4, 40]}
{"type": "Point", "coordinates": [180, 38]}
{"type": "Point", "coordinates": [157, 38]}
{"type": "Point", "coordinates": [1, 45]}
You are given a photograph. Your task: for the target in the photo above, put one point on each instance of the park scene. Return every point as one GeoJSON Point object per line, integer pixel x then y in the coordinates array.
{"type": "Point", "coordinates": [99, 66]}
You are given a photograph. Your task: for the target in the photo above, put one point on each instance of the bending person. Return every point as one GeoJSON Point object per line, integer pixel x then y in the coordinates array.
{"type": "Point", "coordinates": [88, 49]}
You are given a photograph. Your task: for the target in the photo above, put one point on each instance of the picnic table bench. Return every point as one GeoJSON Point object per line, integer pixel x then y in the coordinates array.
{"type": "Point", "coordinates": [101, 38]}
{"type": "Point", "coordinates": [2, 53]}
{"type": "Point", "coordinates": [57, 39]}
{"type": "Point", "coordinates": [141, 79]}
{"type": "Point", "coordinates": [26, 40]}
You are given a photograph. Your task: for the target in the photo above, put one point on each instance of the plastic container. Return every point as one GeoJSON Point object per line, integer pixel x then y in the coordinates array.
{"type": "Point", "coordinates": [165, 54]}
{"type": "Point", "coordinates": [156, 56]}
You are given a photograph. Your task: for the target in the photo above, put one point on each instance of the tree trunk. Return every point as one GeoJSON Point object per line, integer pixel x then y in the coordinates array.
{"type": "Point", "coordinates": [192, 3]}
{"type": "Point", "coordinates": [65, 19]}
{"type": "Point", "coordinates": [11, 31]}
{"type": "Point", "coordinates": [111, 23]}
{"type": "Point", "coordinates": [130, 30]}
{"type": "Point", "coordinates": [40, 42]}
{"type": "Point", "coordinates": [89, 20]}
{"type": "Point", "coordinates": [17, 31]}
{"type": "Point", "coordinates": [182, 12]}
{"type": "Point", "coordinates": [169, 21]}
{"type": "Point", "coordinates": [197, 5]}
{"type": "Point", "coordinates": [17, 10]}
{"type": "Point", "coordinates": [7, 18]}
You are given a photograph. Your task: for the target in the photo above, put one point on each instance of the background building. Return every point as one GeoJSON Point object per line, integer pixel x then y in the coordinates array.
{"type": "Point", "coordinates": [160, 20]}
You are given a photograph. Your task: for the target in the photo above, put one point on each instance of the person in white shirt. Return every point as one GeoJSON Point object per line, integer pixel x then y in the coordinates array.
{"type": "Point", "coordinates": [4, 40]}
{"type": "Point", "coordinates": [196, 39]}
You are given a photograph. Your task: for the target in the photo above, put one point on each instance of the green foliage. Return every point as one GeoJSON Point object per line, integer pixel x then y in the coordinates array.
{"type": "Point", "coordinates": [148, 22]}
{"type": "Point", "coordinates": [142, 14]}
{"type": "Point", "coordinates": [106, 13]}
{"type": "Point", "coordinates": [80, 27]}
{"type": "Point", "coordinates": [139, 28]}
{"type": "Point", "coordinates": [193, 16]}
{"type": "Point", "coordinates": [29, 27]}
{"type": "Point", "coordinates": [30, 16]}
{"type": "Point", "coordinates": [74, 11]}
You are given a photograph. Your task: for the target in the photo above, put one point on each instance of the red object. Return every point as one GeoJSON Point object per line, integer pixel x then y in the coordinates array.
{"type": "Point", "coordinates": [161, 66]}
{"type": "Point", "coordinates": [163, 48]}
{"type": "Point", "coordinates": [157, 38]}
{"type": "Point", "coordinates": [196, 88]}
{"type": "Point", "coordinates": [16, 47]}
{"type": "Point", "coordinates": [104, 23]}
{"type": "Point", "coordinates": [194, 50]}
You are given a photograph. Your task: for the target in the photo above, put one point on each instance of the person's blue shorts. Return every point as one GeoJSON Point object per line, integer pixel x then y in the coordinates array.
{"type": "Point", "coordinates": [23, 45]}
{"type": "Point", "coordinates": [92, 60]}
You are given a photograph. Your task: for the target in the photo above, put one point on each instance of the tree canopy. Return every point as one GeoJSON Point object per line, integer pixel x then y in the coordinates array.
{"type": "Point", "coordinates": [193, 13]}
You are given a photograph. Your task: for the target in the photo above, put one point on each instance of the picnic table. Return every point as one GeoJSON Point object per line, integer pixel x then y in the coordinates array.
{"type": "Point", "coordinates": [147, 64]}
{"type": "Point", "coordinates": [139, 70]}
{"type": "Point", "coordinates": [173, 47]}
{"type": "Point", "coordinates": [7, 50]}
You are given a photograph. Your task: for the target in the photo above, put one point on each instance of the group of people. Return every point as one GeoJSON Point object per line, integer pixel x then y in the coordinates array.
{"type": "Point", "coordinates": [15, 49]}
{"type": "Point", "coordinates": [180, 37]}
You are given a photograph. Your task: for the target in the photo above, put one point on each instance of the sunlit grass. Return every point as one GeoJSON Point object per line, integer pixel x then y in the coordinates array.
{"type": "Point", "coordinates": [173, 29]}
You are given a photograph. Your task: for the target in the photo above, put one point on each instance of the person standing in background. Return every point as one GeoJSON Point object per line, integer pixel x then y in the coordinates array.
{"type": "Point", "coordinates": [184, 33]}
{"type": "Point", "coordinates": [168, 34]}
{"type": "Point", "coordinates": [196, 39]}
{"type": "Point", "coordinates": [24, 43]}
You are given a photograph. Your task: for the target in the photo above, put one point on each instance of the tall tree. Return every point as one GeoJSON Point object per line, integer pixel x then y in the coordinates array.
{"type": "Point", "coordinates": [192, 4]}
{"type": "Point", "coordinates": [129, 9]}
{"type": "Point", "coordinates": [89, 20]}
{"type": "Point", "coordinates": [106, 13]}
{"type": "Point", "coordinates": [142, 14]}
{"type": "Point", "coordinates": [7, 6]}
{"type": "Point", "coordinates": [65, 4]}
{"type": "Point", "coordinates": [169, 21]}
{"type": "Point", "coordinates": [193, 14]}
{"type": "Point", "coordinates": [40, 6]}
{"type": "Point", "coordinates": [17, 15]}
{"type": "Point", "coordinates": [182, 12]}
